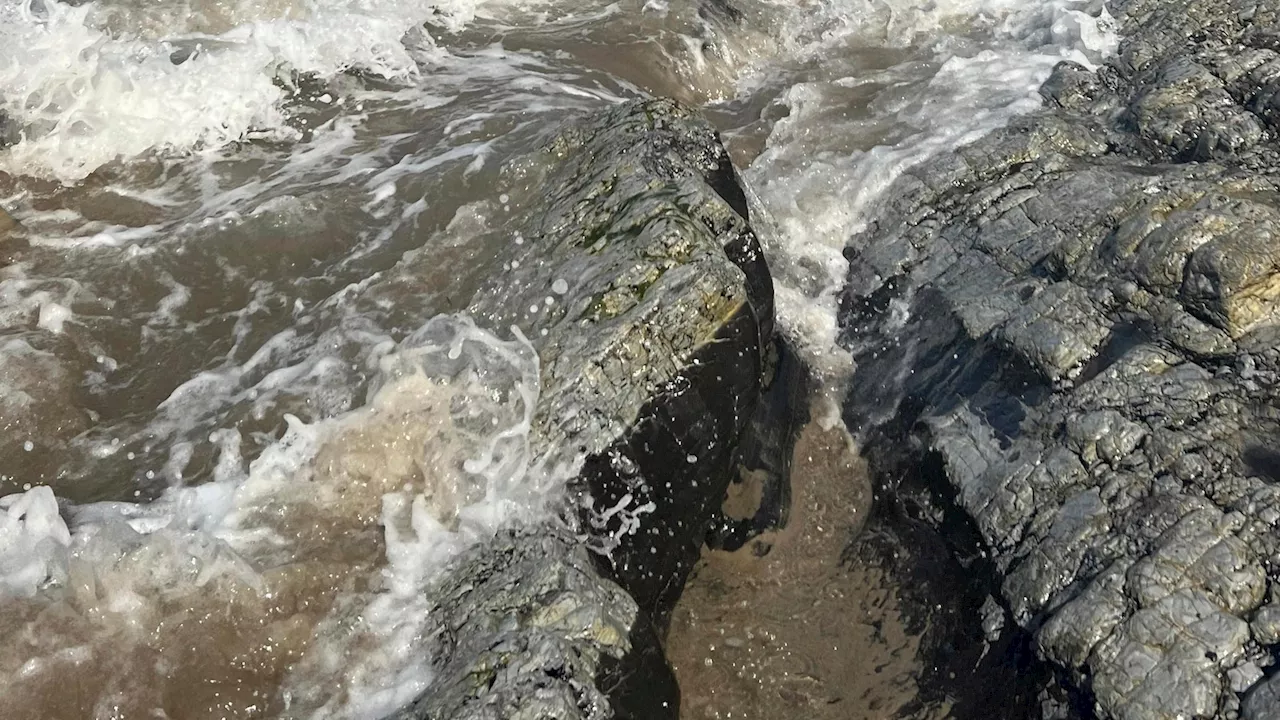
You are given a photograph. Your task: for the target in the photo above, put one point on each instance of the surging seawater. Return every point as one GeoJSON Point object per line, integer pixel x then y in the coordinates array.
{"type": "Point", "coordinates": [233, 453]}
{"type": "Point", "coordinates": [871, 90]}
{"type": "Point", "coordinates": [289, 590]}
{"type": "Point", "coordinates": [91, 83]}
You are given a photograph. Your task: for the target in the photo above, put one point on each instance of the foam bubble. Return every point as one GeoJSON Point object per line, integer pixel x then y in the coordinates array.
{"type": "Point", "coordinates": [33, 538]}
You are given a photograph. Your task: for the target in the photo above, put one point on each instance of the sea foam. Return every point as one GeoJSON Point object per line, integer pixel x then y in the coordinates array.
{"type": "Point", "coordinates": [309, 571]}
{"type": "Point", "coordinates": [91, 83]}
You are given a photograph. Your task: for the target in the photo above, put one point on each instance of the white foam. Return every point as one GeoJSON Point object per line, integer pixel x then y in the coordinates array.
{"type": "Point", "coordinates": [92, 83]}
{"type": "Point", "coordinates": [52, 316]}
{"type": "Point", "coordinates": [33, 541]}
{"type": "Point", "coordinates": [439, 456]}
{"type": "Point", "coordinates": [25, 301]}
{"type": "Point", "coordinates": [493, 483]}
{"type": "Point", "coordinates": [85, 99]}
{"type": "Point", "coordinates": [818, 25]}
{"type": "Point", "coordinates": [825, 169]}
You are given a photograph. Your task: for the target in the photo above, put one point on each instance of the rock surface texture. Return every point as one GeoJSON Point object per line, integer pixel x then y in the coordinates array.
{"type": "Point", "coordinates": [652, 348]}
{"type": "Point", "coordinates": [1080, 317]}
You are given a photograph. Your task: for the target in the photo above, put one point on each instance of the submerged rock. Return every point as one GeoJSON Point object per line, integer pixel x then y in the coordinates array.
{"type": "Point", "coordinates": [1090, 350]}
{"type": "Point", "coordinates": [643, 289]}
{"type": "Point", "coordinates": [39, 408]}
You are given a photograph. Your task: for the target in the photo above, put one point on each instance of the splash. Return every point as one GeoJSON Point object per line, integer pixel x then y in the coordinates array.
{"type": "Point", "coordinates": [89, 84]}
{"type": "Point", "coordinates": [294, 589]}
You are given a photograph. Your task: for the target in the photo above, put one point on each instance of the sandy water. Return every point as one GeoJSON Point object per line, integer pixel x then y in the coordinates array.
{"type": "Point", "coordinates": [856, 608]}
{"type": "Point", "coordinates": [787, 624]}
{"type": "Point", "coordinates": [237, 223]}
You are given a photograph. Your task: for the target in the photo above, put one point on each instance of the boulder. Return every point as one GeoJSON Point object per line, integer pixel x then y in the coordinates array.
{"type": "Point", "coordinates": [642, 287]}
{"type": "Point", "coordinates": [7, 223]}
{"type": "Point", "coordinates": [1091, 354]}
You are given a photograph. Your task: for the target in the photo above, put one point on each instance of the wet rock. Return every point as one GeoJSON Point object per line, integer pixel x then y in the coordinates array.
{"type": "Point", "coordinates": [10, 132]}
{"type": "Point", "coordinates": [1091, 351]}
{"type": "Point", "coordinates": [642, 286]}
{"type": "Point", "coordinates": [1188, 109]}
{"type": "Point", "coordinates": [763, 462]}
{"type": "Point", "coordinates": [1266, 624]}
{"type": "Point", "coordinates": [524, 623]}
{"type": "Point", "coordinates": [1263, 703]}
{"type": "Point", "coordinates": [653, 353]}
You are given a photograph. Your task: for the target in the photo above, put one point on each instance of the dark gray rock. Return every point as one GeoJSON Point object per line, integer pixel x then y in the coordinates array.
{"type": "Point", "coordinates": [524, 625]}
{"type": "Point", "coordinates": [13, 239]}
{"type": "Point", "coordinates": [1091, 350]}
{"type": "Point", "coordinates": [653, 354]}
{"type": "Point", "coordinates": [652, 349]}
{"type": "Point", "coordinates": [1263, 703]}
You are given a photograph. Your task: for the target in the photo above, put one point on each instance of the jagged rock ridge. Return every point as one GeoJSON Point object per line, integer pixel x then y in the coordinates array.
{"type": "Point", "coordinates": [1079, 314]}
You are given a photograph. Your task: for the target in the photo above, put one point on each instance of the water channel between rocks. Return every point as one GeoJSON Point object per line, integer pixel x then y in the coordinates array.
{"type": "Point", "coordinates": [852, 610]}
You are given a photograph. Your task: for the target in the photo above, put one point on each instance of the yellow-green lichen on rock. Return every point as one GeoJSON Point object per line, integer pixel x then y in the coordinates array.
{"type": "Point", "coordinates": [642, 287]}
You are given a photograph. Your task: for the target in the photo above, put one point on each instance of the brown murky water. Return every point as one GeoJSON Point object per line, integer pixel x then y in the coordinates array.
{"type": "Point", "coordinates": [167, 628]}
{"type": "Point", "coordinates": [785, 626]}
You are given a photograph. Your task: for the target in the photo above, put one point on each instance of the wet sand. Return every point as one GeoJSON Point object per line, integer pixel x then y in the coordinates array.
{"type": "Point", "coordinates": [789, 625]}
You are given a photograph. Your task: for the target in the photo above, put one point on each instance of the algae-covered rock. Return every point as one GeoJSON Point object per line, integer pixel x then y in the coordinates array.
{"type": "Point", "coordinates": [642, 287]}
{"type": "Point", "coordinates": [1092, 352]}
{"type": "Point", "coordinates": [523, 626]}
{"type": "Point", "coordinates": [653, 344]}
